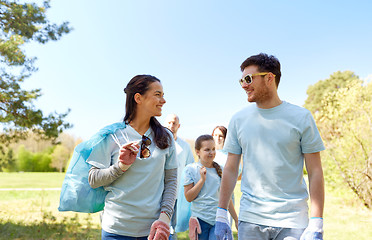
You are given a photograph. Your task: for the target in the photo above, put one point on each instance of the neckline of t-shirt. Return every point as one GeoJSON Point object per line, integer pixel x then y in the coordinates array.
{"type": "Point", "coordinates": [147, 133]}
{"type": "Point", "coordinates": [274, 109]}
{"type": "Point", "coordinates": [201, 165]}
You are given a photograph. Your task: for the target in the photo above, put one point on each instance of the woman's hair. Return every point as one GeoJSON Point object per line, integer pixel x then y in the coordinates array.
{"type": "Point", "coordinates": [198, 145]}
{"type": "Point", "coordinates": [222, 129]}
{"type": "Point", "coordinates": [141, 84]}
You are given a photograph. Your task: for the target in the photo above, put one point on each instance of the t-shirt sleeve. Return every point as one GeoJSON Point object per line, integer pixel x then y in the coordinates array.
{"type": "Point", "coordinates": [189, 176]}
{"type": "Point", "coordinates": [311, 141]}
{"type": "Point", "coordinates": [100, 156]}
{"type": "Point", "coordinates": [171, 157]}
{"type": "Point", "coordinates": [232, 143]}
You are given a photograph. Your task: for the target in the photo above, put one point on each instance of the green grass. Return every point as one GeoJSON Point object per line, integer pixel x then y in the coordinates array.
{"type": "Point", "coordinates": [31, 180]}
{"type": "Point", "coordinates": [34, 214]}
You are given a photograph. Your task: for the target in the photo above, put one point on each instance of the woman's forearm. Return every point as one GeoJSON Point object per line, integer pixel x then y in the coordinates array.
{"type": "Point", "coordinates": [170, 191]}
{"type": "Point", "coordinates": [103, 177]}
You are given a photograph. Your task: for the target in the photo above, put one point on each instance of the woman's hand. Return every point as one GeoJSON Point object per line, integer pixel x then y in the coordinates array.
{"type": "Point", "coordinates": [203, 173]}
{"type": "Point", "coordinates": [160, 229]}
{"type": "Point", "coordinates": [127, 154]}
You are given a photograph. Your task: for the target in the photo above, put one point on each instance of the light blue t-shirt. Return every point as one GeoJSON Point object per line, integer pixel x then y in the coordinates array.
{"type": "Point", "coordinates": [204, 206]}
{"type": "Point", "coordinates": [184, 157]}
{"type": "Point", "coordinates": [133, 201]}
{"type": "Point", "coordinates": [273, 142]}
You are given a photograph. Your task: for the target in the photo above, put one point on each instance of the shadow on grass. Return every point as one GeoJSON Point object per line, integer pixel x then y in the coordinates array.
{"type": "Point", "coordinates": [42, 230]}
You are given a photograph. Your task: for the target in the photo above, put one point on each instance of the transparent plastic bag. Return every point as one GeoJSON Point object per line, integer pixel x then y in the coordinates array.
{"type": "Point", "coordinates": [76, 193]}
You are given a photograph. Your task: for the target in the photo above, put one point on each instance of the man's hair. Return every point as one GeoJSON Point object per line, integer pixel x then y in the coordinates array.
{"type": "Point", "coordinates": [265, 63]}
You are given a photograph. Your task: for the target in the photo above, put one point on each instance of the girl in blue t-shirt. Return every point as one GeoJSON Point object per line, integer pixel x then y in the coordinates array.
{"type": "Point", "coordinates": [201, 187]}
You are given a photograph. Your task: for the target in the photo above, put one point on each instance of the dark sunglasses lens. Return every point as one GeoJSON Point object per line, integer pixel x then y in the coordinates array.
{"type": "Point", "coordinates": [248, 79]}
{"type": "Point", "coordinates": [241, 82]}
{"type": "Point", "coordinates": [145, 152]}
{"type": "Point", "coordinates": [146, 141]}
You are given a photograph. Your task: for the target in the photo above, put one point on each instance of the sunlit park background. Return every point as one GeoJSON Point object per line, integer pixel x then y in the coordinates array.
{"type": "Point", "coordinates": [64, 65]}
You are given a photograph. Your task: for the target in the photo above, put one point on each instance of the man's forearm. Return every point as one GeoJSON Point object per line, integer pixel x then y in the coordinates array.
{"type": "Point", "coordinates": [229, 177]}
{"type": "Point", "coordinates": [316, 183]}
{"type": "Point", "coordinates": [316, 188]}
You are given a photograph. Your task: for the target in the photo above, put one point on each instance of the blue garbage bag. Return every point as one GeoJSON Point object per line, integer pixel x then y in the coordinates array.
{"type": "Point", "coordinates": [183, 208]}
{"type": "Point", "coordinates": [76, 193]}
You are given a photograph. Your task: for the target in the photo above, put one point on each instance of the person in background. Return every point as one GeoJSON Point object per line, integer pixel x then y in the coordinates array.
{"type": "Point", "coordinates": [219, 135]}
{"type": "Point", "coordinates": [201, 186]}
{"type": "Point", "coordinates": [184, 157]}
{"type": "Point", "coordinates": [275, 138]}
{"type": "Point", "coordinates": [138, 168]}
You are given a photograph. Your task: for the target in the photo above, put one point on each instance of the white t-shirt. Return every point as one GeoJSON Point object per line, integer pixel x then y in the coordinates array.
{"type": "Point", "coordinates": [133, 201]}
{"type": "Point", "coordinates": [221, 158]}
{"type": "Point", "coordinates": [204, 206]}
{"type": "Point", "coordinates": [273, 142]}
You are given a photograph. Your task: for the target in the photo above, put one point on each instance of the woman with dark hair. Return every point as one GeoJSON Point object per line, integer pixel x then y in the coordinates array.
{"type": "Point", "coordinates": [138, 168]}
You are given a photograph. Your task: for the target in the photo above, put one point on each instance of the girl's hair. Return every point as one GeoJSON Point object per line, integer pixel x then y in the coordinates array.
{"type": "Point", "coordinates": [141, 84]}
{"type": "Point", "coordinates": [198, 145]}
{"type": "Point", "coordinates": [222, 129]}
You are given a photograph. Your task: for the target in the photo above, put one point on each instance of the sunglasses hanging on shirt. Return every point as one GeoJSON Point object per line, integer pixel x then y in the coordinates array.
{"type": "Point", "coordinates": [145, 151]}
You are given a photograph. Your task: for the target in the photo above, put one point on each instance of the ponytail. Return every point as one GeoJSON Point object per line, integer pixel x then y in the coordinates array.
{"type": "Point", "coordinates": [162, 138]}
{"type": "Point", "coordinates": [218, 169]}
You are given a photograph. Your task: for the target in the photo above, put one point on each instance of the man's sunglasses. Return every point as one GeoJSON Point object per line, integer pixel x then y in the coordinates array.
{"type": "Point", "coordinates": [145, 151]}
{"type": "Point", "coordinates": [248, 78]}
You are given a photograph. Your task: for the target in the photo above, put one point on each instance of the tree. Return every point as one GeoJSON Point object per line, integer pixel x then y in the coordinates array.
{"type": "Point", "coordinates": [344, 118]}
{"type": "Point", "coordinates": [60, 157]}
{"type": "Point", "coordinates": [316, 92]}
{"type": "Point", "coordinates": [7, 160]}
{"type": "Point", "coordinates": [22, 23]}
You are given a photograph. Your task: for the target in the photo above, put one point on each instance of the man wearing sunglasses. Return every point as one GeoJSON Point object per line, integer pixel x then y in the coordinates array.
{"type": "Point", "coordinates": [275, 138]}
{"type": "Point", "coordinates": [184, 157]}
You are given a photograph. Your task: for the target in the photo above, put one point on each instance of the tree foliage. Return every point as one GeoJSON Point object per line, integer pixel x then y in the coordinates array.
{"type": "Point", "coordinates": [21, 23]}
{"type": "Point", "coordinates": [316, 92]}
{"type": "Point", "coordinates": [31, 154]}
{"type": "Point", "coordinates": [60, 157]}
{"type": "Point", "coordinates": [7, 160]}
{"type": "Point", "coordinates": [344, 118]}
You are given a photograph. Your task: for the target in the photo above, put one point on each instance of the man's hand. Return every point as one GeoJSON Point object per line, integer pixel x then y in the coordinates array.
{"type": "Point", "coordinates": [222, 228]}
{"type": "Point", "coordinates": [314, 230]}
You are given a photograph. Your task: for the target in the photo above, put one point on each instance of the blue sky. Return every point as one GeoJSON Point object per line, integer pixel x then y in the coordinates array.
{"type": "Point", "coordinates": [195, 48]}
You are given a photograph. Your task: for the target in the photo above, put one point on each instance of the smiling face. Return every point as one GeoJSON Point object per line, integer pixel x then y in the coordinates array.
{"type": "Point", "coordinates": [258, 90]}
{"type": "Point", "coordinates": [207, 152]}
{"type": "Point", "coordinates": [152, 101]}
